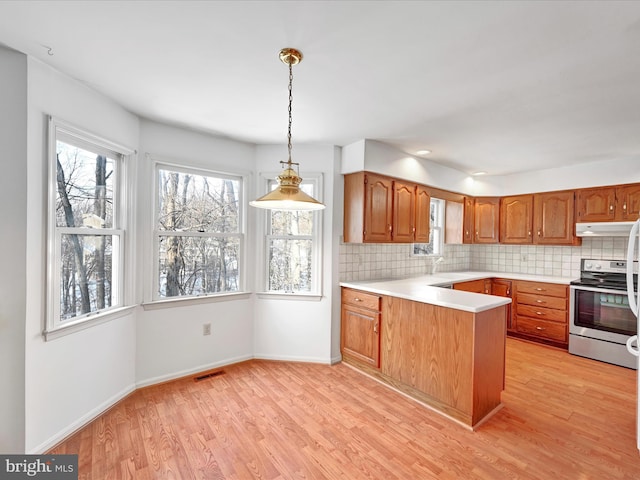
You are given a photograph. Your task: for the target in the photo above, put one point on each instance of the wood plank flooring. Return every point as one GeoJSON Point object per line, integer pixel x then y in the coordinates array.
{"type": "Point", "coordinates": [564, 417]}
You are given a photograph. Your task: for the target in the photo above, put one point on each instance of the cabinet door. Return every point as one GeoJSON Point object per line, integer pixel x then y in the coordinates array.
{"type": "Point", "coordinates": [468, 227]}
{"type": "Point", "coordinates": [486, 220]}
{"type": "Point", "coordinates": [475, 286]}
{"type": "Point", "coordinates": [553, 218]}
{"type": "Point", "coordinates": [361, 334]}
{"type": "Point", "coordinates": [516, 219]}
{"type": "Point", "coordinates": [378, 208]}
{"type": "Point", "coordinates": [502, 288]}
{"type": "Point", "coordinates": [404, 211]}
{"type": "Point", "coordinates": [423, 214]}
{"type": "Point", "coordinates": [628, 203]}
{"type": "Point", "coordinates": [596, 204]}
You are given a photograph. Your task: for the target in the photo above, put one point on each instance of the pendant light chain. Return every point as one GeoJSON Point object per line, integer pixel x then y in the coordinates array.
{"type": "Point", "coordinates": [290, 102]}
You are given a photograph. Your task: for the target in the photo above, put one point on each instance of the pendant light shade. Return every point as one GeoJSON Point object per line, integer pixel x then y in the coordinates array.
{"type": "Point", "coordinates": [288, 195]}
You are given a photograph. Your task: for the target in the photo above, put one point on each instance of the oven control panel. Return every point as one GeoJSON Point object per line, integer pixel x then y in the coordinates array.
{"type": "Point", "coordinates": [611, 266]}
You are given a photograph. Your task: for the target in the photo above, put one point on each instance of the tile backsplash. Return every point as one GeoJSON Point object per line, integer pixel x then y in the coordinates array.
{"type": "Point", "coordinates": [374, 261]}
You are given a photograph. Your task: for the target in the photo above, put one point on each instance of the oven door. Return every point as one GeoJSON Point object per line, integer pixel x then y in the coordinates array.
{"type": "Point", "coordinates": [601, 313]}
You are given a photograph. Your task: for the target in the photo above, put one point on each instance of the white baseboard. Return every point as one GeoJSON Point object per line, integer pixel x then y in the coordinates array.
{"type": "Point", "coordinates": [285, 358]}
{"type": "Point", "coordinates": [81, 422]}
{"type": "Point", "coordinates": [191, 371]}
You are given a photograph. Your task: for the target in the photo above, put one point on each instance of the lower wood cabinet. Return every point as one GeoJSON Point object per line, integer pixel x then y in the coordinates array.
{"type": "Point", "coordinates": [504, 288]}
{"type": "Point", "coordinates": [361, 326]}
{"type": "Point", "coordinates": [476, 286]}
{"type": "Point", "coordinates": [541, 312]}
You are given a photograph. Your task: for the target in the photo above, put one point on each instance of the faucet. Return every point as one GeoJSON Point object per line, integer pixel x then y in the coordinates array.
{"type": "Point", "coordinates": [434, 264]}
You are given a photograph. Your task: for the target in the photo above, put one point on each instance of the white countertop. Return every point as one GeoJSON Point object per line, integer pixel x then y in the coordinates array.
{"type": "Point", "coordinates": [425, 289]}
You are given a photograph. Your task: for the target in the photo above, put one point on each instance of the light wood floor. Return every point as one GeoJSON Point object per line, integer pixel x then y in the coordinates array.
{"type": "Point", "coordinates": [564, 417]}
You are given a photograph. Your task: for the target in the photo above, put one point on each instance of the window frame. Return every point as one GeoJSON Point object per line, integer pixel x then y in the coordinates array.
{"type": "Point", "coordinates": [156, 301]}
{"type": "Point", "coordinates": [54, 326]}
{"type": "Point", "coordinates": [315, 179]}
{"type": "Point", "coordinates": [440, 214]}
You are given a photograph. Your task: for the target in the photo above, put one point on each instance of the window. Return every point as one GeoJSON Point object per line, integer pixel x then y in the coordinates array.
{"type": "Point", "coordinates": [293, 247]}
{"type": "Point", "coordinates": [436, 231]}
{"type": "Point", "coordinates": [198, 233]}
{"type": "Point", "coordinates": [86, 226]}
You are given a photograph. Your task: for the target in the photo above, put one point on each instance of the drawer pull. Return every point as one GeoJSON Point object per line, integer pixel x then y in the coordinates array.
{"type": "Point", "coordinates": [539, 313]}
{"type": "Point", "coordinates": [539, 328]}
{"type": "Point", "coordinates": [540, 301]}
{"type": "Point", "coordinates": [357, 299]}
{"type": "Point", "coordinates": [538, 289]}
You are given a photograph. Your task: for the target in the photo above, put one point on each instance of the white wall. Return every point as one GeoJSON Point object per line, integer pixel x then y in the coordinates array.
{"type": "Point", "coordinates": [13, 240]}
{"type": "Point", "coordinates": [70, 379]}
{"type": "Point", "coordinates": [169, 340]}
{"type": "Point", "coordinates": [381, 158]}
{"type": "Point", "coordinates": [301, 330]}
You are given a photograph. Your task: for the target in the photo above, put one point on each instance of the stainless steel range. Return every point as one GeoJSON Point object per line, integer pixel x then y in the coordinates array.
{"type": "Point", "coordinates": [601, 320]}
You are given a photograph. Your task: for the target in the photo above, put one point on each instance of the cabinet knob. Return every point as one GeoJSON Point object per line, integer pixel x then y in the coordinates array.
{"type": "Point", "coordinates": [375, 327]}
{"type": "Point", "coordinates": [508, 293]}
{"type": "Point", "coordinates": [539, 233]}
{"type": "Point", "coordinates": [611, 207]}
{"type": "Point", "coordinates": [357, 299]}
{"type": "Point", "coordinates": [529, 232]}
{"type": "Point", "coordinates": [624, 207]}
{"type": "Point", "coordinates": [390, 227]}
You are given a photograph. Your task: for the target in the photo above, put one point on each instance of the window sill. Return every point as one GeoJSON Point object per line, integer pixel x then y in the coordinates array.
{"type": "Point", "coordinates": [88, 322]}
{"type": "Point", "coordinates": [182, 302]}
{"type": "Point", "coordinates": [307, 297]}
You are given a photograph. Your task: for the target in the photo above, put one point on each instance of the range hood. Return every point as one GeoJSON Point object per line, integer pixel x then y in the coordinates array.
{"type": "Point", "coordinates": [603, 229]}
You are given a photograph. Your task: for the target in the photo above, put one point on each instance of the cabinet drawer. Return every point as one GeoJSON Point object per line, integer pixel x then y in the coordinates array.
{"type": "Point", "coordinates": [557, 303]}
{"type": "Point", "coordinates": [541, 328]}
{"type": "Point", "coordinates": [551, 289]}
{"type": "Point", "coordinates": [542, 313]}
{"type": "Point", "coordinates": [361, 299]}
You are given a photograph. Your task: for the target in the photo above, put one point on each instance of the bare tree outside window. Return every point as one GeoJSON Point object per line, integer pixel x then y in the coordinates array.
{"type": "Point", "coordinates": [290, 248]}
{"type": "Point", "coordinates": [198, 233]}
{"type": "Point", "coordinates": [85, 221]}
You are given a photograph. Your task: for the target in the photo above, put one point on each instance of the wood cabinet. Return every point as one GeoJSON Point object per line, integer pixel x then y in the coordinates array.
{"type": "Point", "coordinates": [468, 225]}
{"type": "Point", "coordinates": [423, 215]}
{"type": "Point", "coordinates": [450, 359]}
{"type": "Point", "coordinates": [476, 286]}
{"type": "Point", "coordinates": [360, 327]}
{"type": "Point", "coordinates": [607, 204]}
{"type": "Point", "coordinates": [486, 219]}
{"type": "Point", "coordinates": [542, 312]}
{"type": "Point", "coordinates": [553, 218]}
{"type": "Point", "coordinates": [503, 288]}
{"type": "Point", "coordinates": [516, 219]}
{"type": "Point", "coordinates": [541, 218]}
{"type": "Point", "coordinates": [380, 209]}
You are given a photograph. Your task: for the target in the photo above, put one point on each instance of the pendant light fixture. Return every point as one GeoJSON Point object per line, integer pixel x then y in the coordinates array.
{"type": "Point", "coordinates": [288, 195]}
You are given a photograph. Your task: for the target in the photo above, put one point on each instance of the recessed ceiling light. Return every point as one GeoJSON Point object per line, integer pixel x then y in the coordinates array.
{"type": "Point", "coordinates": [423, 152]}
{"type": "Point", "coordinates": [477, 174]}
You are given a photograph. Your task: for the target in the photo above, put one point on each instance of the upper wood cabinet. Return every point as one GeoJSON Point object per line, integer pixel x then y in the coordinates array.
{"type": "Point", "coordinates": [553, 220]}
{"type": "Point", "coordinates": [542, 218]}
{"type": "Point", "coordinates": [469, 214]}
{"type": "Point", "coordinates": [368, 208]}
{"type": "Point", "coordinates": [516, 219]}
{"type": "Point", "coordinates": [423, 214]}
{"type": "Point", "coordinates": [486, 219]}
{"type": "Point", "coordinates": [380, 209]}
{"type": "Point", "coordinates": [608, 204]}
{"type": "Point", "coordinates": [404, 211]}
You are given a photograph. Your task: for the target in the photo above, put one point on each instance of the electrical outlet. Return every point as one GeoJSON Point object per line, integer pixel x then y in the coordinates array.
{"type": "Point", "coordinates": [206, 329]}
{"type": "Point", "coordinates": [524, 257]}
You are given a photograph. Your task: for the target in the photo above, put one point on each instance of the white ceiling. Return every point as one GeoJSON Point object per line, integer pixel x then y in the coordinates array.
{"type": "Point", "coordinates": [497, 86]}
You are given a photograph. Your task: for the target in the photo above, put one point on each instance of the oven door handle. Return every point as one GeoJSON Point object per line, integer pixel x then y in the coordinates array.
{"type": "Point", "coordinates": [633, 350]}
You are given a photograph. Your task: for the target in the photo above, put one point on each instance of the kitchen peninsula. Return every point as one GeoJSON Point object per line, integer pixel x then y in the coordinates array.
{"type": "Point", "coordinates": [443, 347]}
